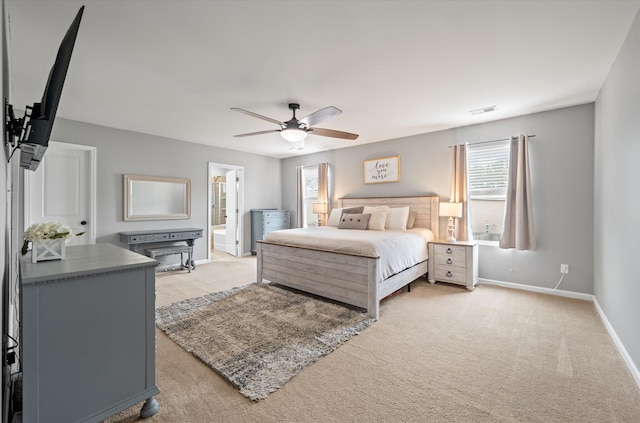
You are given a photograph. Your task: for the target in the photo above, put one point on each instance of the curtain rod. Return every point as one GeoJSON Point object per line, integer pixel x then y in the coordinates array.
{"type": "Point", "coordinates": [484, 142]}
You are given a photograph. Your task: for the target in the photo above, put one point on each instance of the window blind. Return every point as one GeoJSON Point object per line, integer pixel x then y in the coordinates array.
{"type": "Point", "coordinates": [488, 169]}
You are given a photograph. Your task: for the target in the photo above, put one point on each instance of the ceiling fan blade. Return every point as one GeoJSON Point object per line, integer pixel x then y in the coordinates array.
{"type": "Point", "coordinates": [257, 133]}
{"type": "Point", "coordinates": [333, 133]}
{"type": "Point", "coordinates": [320, 116]}
{"type": "Point", "coordinates": [268, 119]}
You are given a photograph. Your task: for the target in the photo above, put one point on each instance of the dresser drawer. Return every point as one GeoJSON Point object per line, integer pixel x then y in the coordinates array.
{"type": "Point", "coordinates": [450, 274]}
{"type": "Point", "coordinates": [276, 222]}
{"type": "Point", "coordinates": [276, 214]}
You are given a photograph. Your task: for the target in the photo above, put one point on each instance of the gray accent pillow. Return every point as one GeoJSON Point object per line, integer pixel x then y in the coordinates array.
{"type": "Point", "coordinates": [354, 221]}
{"type": "Point", "coordinates": [336, 214]}
{"type": "Point", "coordinates": [353, 210]}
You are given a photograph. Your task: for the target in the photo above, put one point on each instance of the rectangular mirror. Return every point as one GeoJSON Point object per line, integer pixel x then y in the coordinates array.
{"type": "Point", "coordinates": [156, 198]}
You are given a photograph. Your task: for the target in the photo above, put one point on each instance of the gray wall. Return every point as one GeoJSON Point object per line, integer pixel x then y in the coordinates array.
{"type": "Point", "coordinates": [120, 152]}
{"type": "Point", "coordinates": [562, 174]}
{"type": "Point", "coordinates": [617, 194]}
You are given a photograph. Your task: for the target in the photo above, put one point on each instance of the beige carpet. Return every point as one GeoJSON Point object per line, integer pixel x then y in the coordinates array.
{"type": "Point", "coordinates": [437, 354]}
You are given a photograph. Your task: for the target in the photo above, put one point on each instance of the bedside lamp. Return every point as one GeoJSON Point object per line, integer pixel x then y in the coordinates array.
{"type": "Point", "coordinates": [451, 210]}
{"type": "Point", "coordinates": [320, 208]}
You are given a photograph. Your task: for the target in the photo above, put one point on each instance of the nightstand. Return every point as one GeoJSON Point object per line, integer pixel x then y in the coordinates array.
{"type": "Point", "coordinates": [454, 262]}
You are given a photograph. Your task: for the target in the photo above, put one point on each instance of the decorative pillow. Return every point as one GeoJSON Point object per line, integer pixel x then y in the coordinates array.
{"type": "Point", "coordinates": [397, 218]}
{"type": "Point", "coordinates": [353, 210]}
{"type": "Point", "coordinates": [354, 221]}
{"type": "Point", "coordinates": [378, 217]}
{"type": "Point", "coordinates": [412, 219]}
{"type": "Point", "coordinates": [336, 213]}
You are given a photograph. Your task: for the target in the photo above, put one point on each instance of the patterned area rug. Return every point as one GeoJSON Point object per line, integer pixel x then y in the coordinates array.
{"type": "Point", "coordinates": [259, 336]}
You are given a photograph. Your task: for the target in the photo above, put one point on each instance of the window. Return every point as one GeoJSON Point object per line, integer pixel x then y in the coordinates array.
{"type": "Point", "coordinates": [488, 171]}
{"type": "Point", "coordinates": [310, 177]}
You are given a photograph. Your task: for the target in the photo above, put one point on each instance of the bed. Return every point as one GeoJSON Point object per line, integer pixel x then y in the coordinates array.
{"type": "Point", "coordinates": [349, 277]}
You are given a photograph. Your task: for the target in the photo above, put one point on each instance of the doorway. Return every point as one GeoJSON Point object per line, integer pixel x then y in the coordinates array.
{"type": "Point", "coordinates": [225, 184]}
{"type": "Point", "coordinates": [63, 189]}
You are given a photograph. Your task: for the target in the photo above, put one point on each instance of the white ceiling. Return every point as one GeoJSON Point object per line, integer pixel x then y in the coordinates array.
{"type": "Point", "coordinates": [395, 68]}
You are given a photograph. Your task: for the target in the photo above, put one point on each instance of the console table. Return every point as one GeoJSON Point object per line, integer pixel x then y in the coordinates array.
{"type": "Point", "coordinates": [87, 331]}
{"type": "Point", "coordinates": [189, 235]}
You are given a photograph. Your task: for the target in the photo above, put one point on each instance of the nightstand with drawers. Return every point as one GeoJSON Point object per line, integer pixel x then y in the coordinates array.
{"type": "Point", "coordinates": [454, 262]}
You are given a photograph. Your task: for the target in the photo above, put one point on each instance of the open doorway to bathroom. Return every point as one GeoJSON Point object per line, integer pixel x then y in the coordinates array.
{"type": "Point", "coordinates": [225, 210]}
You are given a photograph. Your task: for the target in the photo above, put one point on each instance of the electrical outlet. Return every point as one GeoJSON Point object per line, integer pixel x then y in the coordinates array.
{"type": "Point", "coordinates": [564, 268]}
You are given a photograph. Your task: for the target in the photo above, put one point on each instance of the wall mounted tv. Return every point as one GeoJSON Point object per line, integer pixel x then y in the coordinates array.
{"type": "Point", "coordinates": [31, 133]}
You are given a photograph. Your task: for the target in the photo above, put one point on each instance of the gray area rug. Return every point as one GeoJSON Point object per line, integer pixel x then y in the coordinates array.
{"type": "Point", "coordinates": [259, 336]}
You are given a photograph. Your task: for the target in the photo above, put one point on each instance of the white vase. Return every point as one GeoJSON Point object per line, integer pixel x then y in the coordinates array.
{"type": "Point", "coordinates": [49, 249]}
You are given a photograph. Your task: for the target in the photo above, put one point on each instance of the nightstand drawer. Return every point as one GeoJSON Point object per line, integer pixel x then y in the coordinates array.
{"type": "Point", "coordinates": [448, 250]}
{"type": "Point", "coordinates": [450, 274]}
{"type": "Point", "coordinates": [458, 260]}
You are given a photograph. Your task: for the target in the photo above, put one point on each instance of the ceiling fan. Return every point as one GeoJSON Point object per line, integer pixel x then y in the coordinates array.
{"type": "Point", "coordinates": [296, 130]}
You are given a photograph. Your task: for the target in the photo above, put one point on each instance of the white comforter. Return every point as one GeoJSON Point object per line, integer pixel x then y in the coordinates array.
{"type": "Point", "coordinates": [398, 250]}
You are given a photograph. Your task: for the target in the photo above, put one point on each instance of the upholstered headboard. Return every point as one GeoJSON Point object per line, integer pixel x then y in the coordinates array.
{"type": "Point", "coordinates": [425, 207]}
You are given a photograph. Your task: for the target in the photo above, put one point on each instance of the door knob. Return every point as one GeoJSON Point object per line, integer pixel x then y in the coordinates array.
{"type": "Point", "coordinates": [84, 222]}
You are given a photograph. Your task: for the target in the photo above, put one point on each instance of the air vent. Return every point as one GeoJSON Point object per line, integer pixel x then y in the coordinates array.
{"type": "Point", "coordinates": [483, 110]}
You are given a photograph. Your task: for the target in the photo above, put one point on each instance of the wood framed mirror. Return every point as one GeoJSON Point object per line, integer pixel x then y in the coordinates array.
{"type": "Point", "coordinates": [156, 198]}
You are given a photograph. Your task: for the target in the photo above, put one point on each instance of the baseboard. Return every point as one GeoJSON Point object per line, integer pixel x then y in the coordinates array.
{"type": "Point", "coordinates": [623, 351]}
{"type": "Point", "coordinates": [550, 291]}
{"type": "Point", "coordinates": [580, 296]}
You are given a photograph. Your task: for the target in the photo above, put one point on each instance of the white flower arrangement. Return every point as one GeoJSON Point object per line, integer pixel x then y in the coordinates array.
{"type": "Point", "coordinates": [38, 232]}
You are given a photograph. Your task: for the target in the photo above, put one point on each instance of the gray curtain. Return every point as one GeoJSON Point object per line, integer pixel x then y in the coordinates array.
{"type": "Point", "coordinates": [300, 216]}
{"type": "Point", "coordinates": [518, 219]}
{"type": "Point", "coordinates": [459, 191]}
{"type": "Point", "coordinates": [323, 190]}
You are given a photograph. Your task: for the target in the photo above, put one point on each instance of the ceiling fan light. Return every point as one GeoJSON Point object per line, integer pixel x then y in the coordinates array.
{"type": "Point", "coordinates": [293, 134]}
{"type": "Point", "coordinates": [297, 145]}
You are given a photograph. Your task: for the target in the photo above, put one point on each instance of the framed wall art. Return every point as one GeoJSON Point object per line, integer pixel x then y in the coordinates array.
{"type": "Point", "coordinates": [378, 171]}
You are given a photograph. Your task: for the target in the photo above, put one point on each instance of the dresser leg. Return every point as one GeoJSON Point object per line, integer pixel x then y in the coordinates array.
{"type": "Point", "coordinates": [149, 408]}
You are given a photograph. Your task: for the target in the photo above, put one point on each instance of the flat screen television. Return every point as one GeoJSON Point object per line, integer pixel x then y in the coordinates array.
{"type": "Point", "coordinates": [39, 118]}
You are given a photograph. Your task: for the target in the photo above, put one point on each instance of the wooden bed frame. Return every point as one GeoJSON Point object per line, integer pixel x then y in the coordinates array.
{"type": "Point", "coordinates": [348, 278]}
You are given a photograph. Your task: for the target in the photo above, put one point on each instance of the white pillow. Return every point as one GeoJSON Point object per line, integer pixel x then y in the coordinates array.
{"type": "Point", "coordinates": [378, 217]}
{"type": "Point", "coordinates": [397, 218]}
{"type": "Point", "coordinates": [334, 217]}
{"type": "Point", "coordinates": [412, 219]}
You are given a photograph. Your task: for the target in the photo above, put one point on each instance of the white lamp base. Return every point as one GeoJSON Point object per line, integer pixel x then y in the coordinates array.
{"type": "Point", "coordinates": [451, 229]}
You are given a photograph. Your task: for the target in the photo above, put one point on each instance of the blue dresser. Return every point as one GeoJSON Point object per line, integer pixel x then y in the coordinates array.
{"type": "Point", "coordinates": [264, 221]}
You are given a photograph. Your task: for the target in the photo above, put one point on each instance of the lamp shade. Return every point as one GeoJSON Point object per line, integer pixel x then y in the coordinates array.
{"type": "Point", "coordinates": [451, 209]}
{"type": "Point", "coordinates": [293, 134]}
{"type": "Point", "coordinates": [320, 208]}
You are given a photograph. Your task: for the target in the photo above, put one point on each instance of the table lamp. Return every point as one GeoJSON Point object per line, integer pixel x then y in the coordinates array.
{"type": "Point", "coordinates": [451, 210]}
{"type": "Point", "coordinates": [320, 208]}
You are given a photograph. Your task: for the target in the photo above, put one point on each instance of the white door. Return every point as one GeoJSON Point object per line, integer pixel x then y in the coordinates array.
{"type": "Point", "coordinates": [62, 189]}
{"type": "Point", "coordinates": [232, 213]}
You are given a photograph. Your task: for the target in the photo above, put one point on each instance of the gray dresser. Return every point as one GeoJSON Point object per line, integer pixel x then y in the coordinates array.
{"type": "Point", "coordinates": [264, 221]}
{"type": "Point", "coordinates": [87, 329]}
